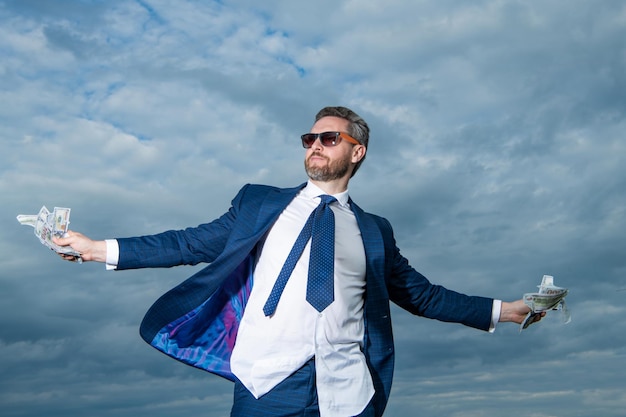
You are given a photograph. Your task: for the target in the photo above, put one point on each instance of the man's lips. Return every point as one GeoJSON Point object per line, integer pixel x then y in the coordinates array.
{"type": "Point", "coordinates": [317, 157]}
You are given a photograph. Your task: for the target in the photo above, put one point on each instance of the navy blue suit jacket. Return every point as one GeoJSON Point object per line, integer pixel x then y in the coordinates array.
{"type": "Point", "coordinates": [197, 321]}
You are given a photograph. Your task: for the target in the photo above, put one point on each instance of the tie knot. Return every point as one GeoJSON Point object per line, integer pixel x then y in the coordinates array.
{"type": "Point", "coordinates": [327, 199]}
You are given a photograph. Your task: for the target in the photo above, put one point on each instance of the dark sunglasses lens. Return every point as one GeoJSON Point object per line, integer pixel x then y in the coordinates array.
{"type": "Point", "coordinates": [308, 139]}
{"type": "Point", "coordinates": [328, 138]}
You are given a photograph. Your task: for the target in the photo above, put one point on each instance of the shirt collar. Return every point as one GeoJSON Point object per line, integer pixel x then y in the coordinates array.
{"type": "Point", "coordinates": [312, 191]}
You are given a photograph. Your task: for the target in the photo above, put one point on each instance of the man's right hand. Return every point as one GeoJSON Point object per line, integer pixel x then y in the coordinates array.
{"type": "Point", "coordinates": [90, 250]}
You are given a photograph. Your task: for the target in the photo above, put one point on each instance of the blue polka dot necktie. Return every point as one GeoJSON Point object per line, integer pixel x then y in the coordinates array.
{"type": "Point", "coordinates": [320, 227]}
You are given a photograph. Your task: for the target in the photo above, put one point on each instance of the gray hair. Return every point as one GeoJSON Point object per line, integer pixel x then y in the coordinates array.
{"type": "Point", "coordinates": [357, 127]}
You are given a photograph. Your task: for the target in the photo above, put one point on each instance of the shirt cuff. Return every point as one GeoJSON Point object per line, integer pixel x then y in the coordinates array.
{"type": "Point", "coordinates": [113, 254]}
{"type": "Point", "coordinates": [495, 314]}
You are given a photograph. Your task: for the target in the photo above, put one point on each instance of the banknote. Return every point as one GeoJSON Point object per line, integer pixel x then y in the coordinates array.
{"type": "Point", "coordinates": [549, 297]}
{"type": "Point", "coordinates": [48, 225]}
{"type": "Point", "coordinates": [61, 220]}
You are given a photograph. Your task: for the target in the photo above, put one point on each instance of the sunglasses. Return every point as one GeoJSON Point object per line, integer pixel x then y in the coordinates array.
{"type": "Point", "coordinates": [326, 139]}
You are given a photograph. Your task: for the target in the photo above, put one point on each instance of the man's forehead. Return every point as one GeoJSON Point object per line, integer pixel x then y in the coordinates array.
{"type": "Point", "coordinates": [330, 124]}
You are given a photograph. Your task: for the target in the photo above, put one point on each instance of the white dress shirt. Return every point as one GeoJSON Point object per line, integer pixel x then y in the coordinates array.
{"type": "Point", "coordinates": [269, 349]}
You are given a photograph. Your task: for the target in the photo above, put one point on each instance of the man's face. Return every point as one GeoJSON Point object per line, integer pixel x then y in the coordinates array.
{"type": "Point", "coordinates": [332, 162]}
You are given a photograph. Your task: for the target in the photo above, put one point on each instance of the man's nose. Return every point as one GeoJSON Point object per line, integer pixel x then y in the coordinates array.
{"type": "Point", "coordinates": [317, 145]}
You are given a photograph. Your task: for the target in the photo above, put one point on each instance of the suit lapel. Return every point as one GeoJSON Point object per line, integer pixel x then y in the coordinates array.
{"type": "Point", "coordinates": [373, 244]}
{"type": "Point", "coordinates": [274, 204]}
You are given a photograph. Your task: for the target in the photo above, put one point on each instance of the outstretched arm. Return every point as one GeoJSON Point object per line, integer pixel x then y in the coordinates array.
{"type": "Point", "coordinates": [516, 312]}
{"type": "Point", "coordinates": [90, 250]}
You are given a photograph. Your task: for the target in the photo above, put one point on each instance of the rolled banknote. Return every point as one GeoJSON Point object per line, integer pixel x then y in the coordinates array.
{"type": "Point", "coordinates": [549, 297]}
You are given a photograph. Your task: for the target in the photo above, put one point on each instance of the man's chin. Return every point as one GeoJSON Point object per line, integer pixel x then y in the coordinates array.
{"type": "Point", "coordinates": [323, 171]}
{"type": "Point", "coordinates": [316, 174]}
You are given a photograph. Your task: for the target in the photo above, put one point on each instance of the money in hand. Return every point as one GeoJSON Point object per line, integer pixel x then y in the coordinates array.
{"type": "Point", "coordinates": [549, 297]}
{"type": "Point", "coordinates": [48, 225]}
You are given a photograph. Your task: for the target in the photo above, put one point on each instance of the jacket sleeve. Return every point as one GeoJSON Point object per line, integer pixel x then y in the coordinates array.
{"type": "Point", "coordinates": [415, 293]}
{"type": "Point", "coordinates": [190, 246]}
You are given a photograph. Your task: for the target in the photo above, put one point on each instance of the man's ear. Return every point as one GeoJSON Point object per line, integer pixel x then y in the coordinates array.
{"type": "Point", "coordinates": [358, 153]}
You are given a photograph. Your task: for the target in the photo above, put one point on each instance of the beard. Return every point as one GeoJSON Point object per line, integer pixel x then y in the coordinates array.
{"type": "Point", "coordinates": [331, 171]}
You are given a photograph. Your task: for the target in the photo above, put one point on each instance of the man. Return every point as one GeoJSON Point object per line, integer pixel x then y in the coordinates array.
{"type": "Point", "coordinates": [296, 341]}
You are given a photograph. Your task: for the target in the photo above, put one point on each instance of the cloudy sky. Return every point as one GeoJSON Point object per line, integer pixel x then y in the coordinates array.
{"type": "Point", "coordinates": [497, 153]}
